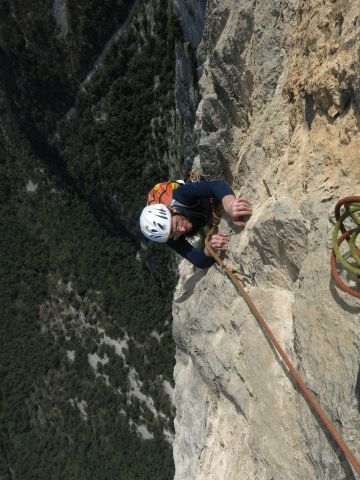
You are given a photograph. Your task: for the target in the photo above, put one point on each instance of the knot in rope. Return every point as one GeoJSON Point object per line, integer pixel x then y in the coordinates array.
{"type": "Point", "coordinates": [351, 206]}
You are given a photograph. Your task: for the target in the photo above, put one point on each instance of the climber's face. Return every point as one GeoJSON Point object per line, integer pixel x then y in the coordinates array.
{"type": "Point", "coordinates": [180, 225]}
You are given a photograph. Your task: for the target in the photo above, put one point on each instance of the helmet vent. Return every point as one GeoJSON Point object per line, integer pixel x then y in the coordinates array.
{"type": "Point", "coordinates": [162, 216]}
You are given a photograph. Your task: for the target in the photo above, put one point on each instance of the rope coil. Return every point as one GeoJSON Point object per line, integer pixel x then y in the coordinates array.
{"type": "Point", "coordinates": [266, 329]}
{"type": "Point", "coordinates": [352, 210]}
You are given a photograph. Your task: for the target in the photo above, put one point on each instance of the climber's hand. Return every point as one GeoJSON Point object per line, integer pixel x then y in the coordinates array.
{"type": "Point", "coordinates": [240, 211]}
{"type": "Point", "coordinates": [219, 242]}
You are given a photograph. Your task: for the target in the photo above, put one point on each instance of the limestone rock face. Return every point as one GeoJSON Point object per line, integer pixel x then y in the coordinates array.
{"type": "Point", "coordinates": [278, 118]}
{"type": "Point", "coordinates": [191, 14]}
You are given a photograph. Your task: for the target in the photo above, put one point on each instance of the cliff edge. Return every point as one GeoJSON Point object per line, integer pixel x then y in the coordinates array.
{"type": "Point", "coordinates": [279, 119]}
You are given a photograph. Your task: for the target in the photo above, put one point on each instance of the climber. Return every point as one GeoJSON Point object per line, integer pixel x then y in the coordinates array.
{"type": "Point", "coordinates": [189, 211]}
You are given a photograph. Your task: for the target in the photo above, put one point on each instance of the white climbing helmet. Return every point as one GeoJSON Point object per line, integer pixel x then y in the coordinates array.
{"type": "Point", "coordinates": [155, 222]}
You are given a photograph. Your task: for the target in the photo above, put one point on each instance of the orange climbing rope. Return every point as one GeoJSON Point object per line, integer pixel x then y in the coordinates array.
{"type": "Point", "coordinates": [304, 390]}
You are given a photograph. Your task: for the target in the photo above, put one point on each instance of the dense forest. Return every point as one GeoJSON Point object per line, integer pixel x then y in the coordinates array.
{"type": "Point", "coordinates": [86, 346]}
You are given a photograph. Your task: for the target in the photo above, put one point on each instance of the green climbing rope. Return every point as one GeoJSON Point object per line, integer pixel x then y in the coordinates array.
{"type": "Point", "coordinates": [352, 209]}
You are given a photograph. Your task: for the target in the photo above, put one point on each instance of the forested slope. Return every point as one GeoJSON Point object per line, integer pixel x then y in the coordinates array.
{"type": "Point", "coordinates": [85, 307]}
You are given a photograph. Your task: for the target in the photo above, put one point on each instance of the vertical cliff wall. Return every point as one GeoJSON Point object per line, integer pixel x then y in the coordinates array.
{"type": "Point", "coordinates": [280, 106]}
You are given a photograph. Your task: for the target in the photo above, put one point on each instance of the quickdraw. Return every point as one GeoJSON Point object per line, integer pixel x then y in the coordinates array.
{"type": "Point", "coordinates": [266, 329]}
{"type": "Point", "coordinates": [352, 210]}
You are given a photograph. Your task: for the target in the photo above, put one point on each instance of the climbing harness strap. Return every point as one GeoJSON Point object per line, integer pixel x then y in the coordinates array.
{"type": "Point", "coordinates": [352, 210]}
{"type": "Point", "coordinates": [303, 388]}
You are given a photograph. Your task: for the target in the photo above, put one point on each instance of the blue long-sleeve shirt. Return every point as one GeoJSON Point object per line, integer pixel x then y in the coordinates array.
{"type": "Point", "coordinates": [188, 195]}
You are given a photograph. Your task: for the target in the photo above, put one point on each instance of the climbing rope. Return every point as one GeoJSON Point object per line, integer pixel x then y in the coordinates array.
{"type": "Point", "coordinates": [303, 388]}
{"type": "Point", "coordinates": [351, 206]}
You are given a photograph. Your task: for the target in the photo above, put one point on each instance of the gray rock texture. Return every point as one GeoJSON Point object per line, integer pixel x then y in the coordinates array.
{"type": "Point", "coordinates": [187, 100]}
{"type": "Point", "coordinates": [278, 118]}
{"type": "Point", "coordinates": [192, 16]}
